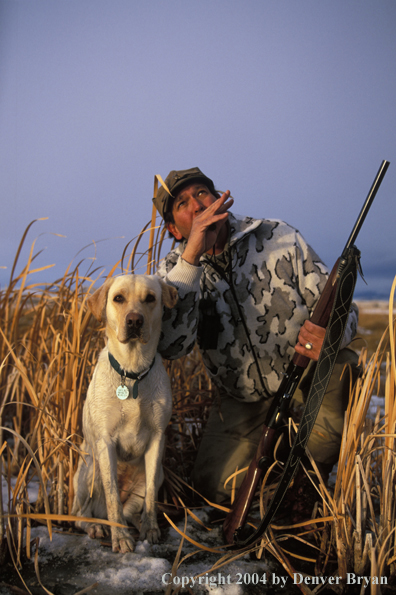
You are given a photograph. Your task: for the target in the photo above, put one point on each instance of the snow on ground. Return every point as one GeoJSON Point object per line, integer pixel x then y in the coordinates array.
{"type": "Point", "coordinates": [374, 307]}
{"type": "Point", "coordinates": [72, 562]}
{"type": "Point", "coordinates": [147, 570]}
{"type": "Point", "coordinates": [375, 403]}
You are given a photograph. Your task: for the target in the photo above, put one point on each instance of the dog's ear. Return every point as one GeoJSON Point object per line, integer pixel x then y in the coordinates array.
{"type": "Point", "coordinates": [169, 294]}
{"type": "Point", "coordinates": [97, 301]}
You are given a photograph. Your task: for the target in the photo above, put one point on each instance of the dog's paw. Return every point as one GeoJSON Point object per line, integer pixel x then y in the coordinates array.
{"type": "Point", "coordinates": [97, 531]}
{"type": "Point", "coordinates": [152, 534]}
{"type": "Point", "coordinates": [122, 541]}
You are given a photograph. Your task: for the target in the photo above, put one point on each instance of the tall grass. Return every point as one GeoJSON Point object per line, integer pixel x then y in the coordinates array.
{"type": "Point", "coordinates": [49, 344]}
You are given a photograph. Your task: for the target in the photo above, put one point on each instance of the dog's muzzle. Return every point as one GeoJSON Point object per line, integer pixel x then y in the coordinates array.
{"type": "Point", "coordinates": [134, 324]}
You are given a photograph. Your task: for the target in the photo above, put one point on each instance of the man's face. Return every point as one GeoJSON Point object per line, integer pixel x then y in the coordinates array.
{"type": "Point", "coordinates": [188, 203]}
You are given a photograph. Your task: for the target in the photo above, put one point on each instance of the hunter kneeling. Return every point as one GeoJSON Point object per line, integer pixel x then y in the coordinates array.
{"type": "Point", "coordinates": [246, 290]}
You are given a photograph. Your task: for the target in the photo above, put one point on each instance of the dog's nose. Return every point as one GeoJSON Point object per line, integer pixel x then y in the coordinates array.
{"type": "Point", "coordinates": [134, 320]}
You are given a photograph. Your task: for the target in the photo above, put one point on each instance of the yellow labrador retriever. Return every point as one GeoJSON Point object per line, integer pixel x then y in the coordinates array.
{"type": "Point", "coordinates": [127, 409]}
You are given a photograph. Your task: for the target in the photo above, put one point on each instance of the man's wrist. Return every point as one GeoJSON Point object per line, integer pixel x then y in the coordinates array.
{"type": "Point", "coordinates": [185, 276]}
{"type": "Point", "coordinates": [191, 258]}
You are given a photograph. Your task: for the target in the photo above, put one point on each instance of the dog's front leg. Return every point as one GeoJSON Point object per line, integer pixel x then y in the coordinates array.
{"type": "Point", "coordinates": [154, 478]}
{"type": "Point", "coordinates": [122, 540]}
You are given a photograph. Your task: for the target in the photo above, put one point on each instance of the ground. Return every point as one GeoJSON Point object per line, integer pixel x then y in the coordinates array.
{"type": "Point", "coordinates": [72, 562]}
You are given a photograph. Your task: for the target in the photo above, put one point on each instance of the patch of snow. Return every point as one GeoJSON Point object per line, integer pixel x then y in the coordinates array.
{"type": "Point", "coordinates": [376, 402]}
{"type": "Point", "coordinates": [72, 561]}
{"type": "Point", "coordinates": [374, 306]}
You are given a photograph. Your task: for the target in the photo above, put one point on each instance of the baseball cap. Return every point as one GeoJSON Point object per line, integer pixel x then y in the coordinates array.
{"type": "Point", "coordinates": [174, 181]}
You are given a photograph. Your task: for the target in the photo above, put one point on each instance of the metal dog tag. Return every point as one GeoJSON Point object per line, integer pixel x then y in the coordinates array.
{"type": "Point", "coordinates": [122, 392]}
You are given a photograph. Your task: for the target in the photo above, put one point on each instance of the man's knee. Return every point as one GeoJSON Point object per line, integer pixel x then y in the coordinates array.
{"type": "Point", "coordinates": [229, 442]}
{"type": "Point", "coordinates": [218, 458]}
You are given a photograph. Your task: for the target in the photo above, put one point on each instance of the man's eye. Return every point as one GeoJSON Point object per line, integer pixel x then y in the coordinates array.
{"type": "Point", "coordinates": [203, 191]}
{"type": "Point", "coordinates": [118, 298]}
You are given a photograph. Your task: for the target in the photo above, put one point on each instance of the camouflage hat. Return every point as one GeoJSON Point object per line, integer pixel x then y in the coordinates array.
{"type": "Point", "coordinates": [174, 181]}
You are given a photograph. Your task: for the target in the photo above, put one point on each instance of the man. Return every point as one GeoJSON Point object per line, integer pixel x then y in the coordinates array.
{"type": "Point", "coordinates": [246, 291]}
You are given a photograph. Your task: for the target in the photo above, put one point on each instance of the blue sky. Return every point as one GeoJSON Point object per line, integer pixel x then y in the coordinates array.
{"type": "Point", "coordinates": [290, 104]}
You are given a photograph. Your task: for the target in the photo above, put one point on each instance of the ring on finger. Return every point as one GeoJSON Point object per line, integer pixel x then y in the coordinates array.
{"type": "Point", "coordinates": [308, 346]}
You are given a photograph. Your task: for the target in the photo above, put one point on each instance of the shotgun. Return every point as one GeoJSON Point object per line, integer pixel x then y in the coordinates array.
{"type": "Point", "coordinates": [234, 523]}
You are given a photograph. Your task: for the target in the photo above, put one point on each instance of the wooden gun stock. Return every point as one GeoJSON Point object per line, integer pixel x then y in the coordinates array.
{"type": "Point", "coordinates": [236, 518]}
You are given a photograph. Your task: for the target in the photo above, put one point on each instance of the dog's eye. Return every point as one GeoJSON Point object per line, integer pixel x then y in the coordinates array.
{"type": "Point", "coordinates": [118, 298]}
{"type": "Point", "coordinates": [150, 298]}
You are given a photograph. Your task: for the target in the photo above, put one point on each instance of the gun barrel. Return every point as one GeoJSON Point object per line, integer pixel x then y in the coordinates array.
{"type": "Point", "coordinates": [367, 204]}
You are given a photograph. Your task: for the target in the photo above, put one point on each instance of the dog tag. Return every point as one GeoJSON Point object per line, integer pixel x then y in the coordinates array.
{"type": "Point", "coordinates": [122, 392]}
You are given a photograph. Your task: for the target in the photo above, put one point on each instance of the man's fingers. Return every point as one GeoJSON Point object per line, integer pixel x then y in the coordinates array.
{"type": "Point", "coordinates": [222, 204]}
{"type": "Point", "coordinates": [216, 213]}
{"type": "Point", "coordinates": [226, 195]}
{"type": "Point", "coordinates": [310, 340]}
{"type": "Point", "coordinates": [311, 328]}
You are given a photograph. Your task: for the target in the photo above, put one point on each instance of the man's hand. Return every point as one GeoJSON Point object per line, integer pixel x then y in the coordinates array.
{"type": "Point", "coordinates": [208, 228]}
{"type": "Point", "coordinates": [310, 334]}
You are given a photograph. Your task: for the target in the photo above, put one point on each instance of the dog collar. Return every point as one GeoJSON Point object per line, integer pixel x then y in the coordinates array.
{"type": "Point", "coordinates": [123, 391]}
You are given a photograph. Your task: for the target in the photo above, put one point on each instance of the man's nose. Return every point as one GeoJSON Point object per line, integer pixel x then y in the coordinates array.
{"type": "Point", "coordinates": [197, 204]}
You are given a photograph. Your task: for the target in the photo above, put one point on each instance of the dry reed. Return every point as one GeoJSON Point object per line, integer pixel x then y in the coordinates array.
{"type": "Point", "coordinates": [49, 344]}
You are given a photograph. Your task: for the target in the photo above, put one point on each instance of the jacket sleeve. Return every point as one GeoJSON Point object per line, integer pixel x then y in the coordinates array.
{"type": "Point", "coordinates": [179, 325]}
{"type": "Point", "coordinates": [352, 324]}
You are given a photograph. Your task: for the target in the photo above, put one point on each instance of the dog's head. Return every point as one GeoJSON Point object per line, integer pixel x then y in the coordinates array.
{"type": "Point", "coordinates": [131, 306]}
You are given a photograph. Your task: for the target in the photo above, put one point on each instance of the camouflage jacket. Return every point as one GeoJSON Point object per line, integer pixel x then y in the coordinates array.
{"type": "Point", "coordinates": [265, 285]}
